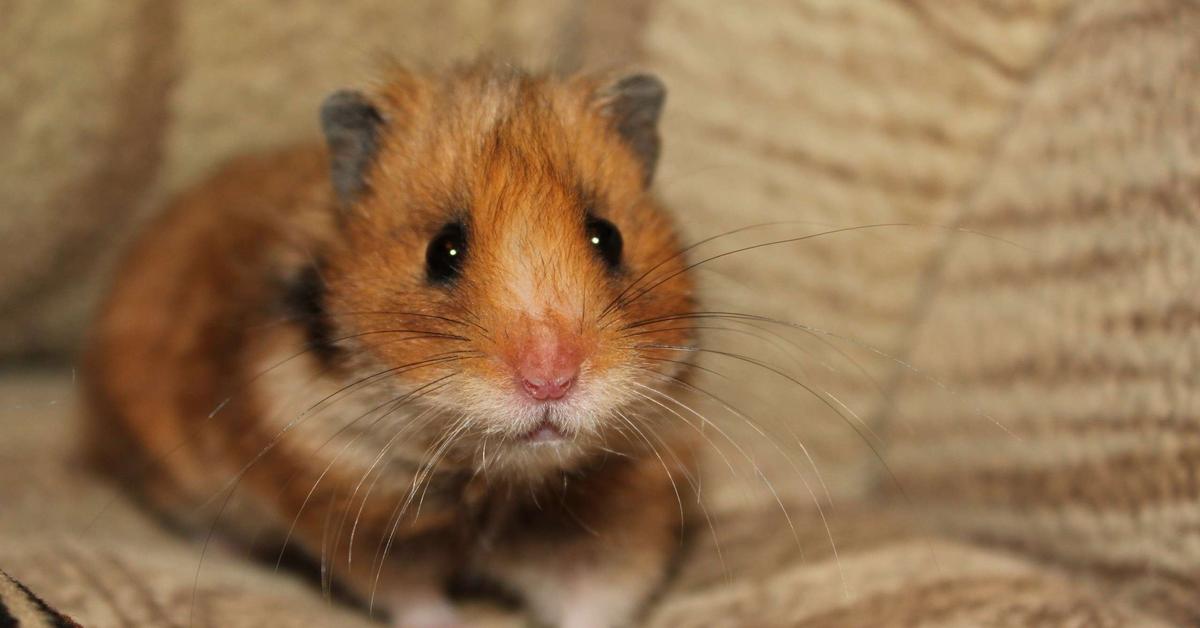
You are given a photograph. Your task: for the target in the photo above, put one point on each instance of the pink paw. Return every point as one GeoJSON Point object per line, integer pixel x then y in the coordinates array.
{"type": "Point", "coordinates": [439, 614]}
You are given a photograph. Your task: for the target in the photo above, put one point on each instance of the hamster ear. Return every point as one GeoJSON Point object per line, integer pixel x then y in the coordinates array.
{"type": "Point", "coordinates": [352, 126]}
{"type": "Point", "coordinates": [634, 104]}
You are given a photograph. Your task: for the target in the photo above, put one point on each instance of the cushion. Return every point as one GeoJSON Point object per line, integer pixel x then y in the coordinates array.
{"type": "Point", "coordinates": [91, 554]}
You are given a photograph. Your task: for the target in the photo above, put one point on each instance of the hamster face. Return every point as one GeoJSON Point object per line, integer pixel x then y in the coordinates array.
{"type": "Point", "coordinates": [503, 246]}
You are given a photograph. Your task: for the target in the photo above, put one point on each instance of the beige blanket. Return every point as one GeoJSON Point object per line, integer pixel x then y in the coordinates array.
{"type": "Point", "coordinates": [97, 558]}
{"type": "Point", "coordinates": [1029, 380]}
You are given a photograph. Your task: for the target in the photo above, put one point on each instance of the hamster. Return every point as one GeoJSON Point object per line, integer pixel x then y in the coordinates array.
{"type": "Point", "coordinates": [429, 349]}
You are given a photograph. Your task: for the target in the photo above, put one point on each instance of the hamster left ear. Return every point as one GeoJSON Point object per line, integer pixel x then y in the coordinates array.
{"type": "Point", "coordinates": [352, 126]}
{"type": "Point", "coordinates": [634, 104]}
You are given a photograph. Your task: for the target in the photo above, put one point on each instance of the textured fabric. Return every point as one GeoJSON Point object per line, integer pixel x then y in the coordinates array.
{"type": "Point", "coordinates": [1080, 346]}
{"type": "Point", "coordinates": [815, 112]}
{"type": "Point", "coordinates": [111, 107]}
{"type": "Point", "coordinates": [1035, 401]}
{"type": "Point", "coordinates": [23, 608]}
{"type": "Point", "coordinates": [101, 560]}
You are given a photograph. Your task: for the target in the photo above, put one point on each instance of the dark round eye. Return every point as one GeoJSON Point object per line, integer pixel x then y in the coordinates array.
{"type": "Point", "coordinates": [604, 236]}
{"type": "Point", "coordinates": [446, 253]}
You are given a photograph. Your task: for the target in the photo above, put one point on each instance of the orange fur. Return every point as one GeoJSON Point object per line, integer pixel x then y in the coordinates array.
{"type": "Point", "coordinates": [195, 318]}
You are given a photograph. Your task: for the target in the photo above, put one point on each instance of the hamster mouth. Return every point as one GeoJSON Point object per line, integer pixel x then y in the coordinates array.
{"type": "Point", "coordinates": [544, 433]}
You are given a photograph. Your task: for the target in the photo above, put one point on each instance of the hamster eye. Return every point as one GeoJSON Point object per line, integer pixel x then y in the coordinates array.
{"type": "Point", "coordinates": [445, 255]}
{"type": "Point", "coordinates": [604, 235]}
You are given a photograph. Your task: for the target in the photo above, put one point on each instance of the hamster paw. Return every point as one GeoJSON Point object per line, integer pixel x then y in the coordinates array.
{"type": "Point", "coordinates": [427, 614]}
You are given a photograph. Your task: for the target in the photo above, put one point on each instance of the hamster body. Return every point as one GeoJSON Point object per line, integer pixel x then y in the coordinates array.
{"type": "Point", "coordinates": [431, 348]}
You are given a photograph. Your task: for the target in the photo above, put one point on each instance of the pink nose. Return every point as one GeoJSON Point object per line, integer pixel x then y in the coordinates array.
{"type": "Point", "coordinates": [547, 361]}
{"type": "Point", "coordinates": [548, 385]}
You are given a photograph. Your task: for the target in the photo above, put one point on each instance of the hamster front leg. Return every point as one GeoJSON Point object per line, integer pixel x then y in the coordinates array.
{"type": "Point", "coordinates": [419, 604]}
{"type": "Point", "coordinates": [410, 584]}
{"type": "Point", "coordinates": [398, 569]}
{"type": "Point", "coordinates": [591, 553]}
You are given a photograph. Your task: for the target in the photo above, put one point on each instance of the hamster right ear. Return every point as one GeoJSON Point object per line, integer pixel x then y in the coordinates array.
{"type": "Point", "coordinates": [352, 126]}
{"type": "Point", "coordinates": [634, 104]}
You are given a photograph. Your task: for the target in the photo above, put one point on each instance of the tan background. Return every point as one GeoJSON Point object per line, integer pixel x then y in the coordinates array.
{"type": "Point", "coordinates": [1038, 397]}
{"type": "Point", "coordinates": [825, 113]}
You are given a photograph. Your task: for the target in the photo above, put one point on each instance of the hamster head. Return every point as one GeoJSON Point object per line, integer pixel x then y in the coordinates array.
{"type": "Point", "coordinates": [502, 261]}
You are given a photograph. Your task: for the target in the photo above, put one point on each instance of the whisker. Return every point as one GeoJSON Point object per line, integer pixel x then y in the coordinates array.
{"type": "Point", "coordinates": [817, 332]}
{"type": "Point", "coordinates": [643, 291]}
{"type": "Point", "coordinates": [618, 300]}
{"type": "Point", "coordinates": [757, 470]}
{"type": "Point", "coordinates": [800, 443]}
{"type": "Point", "coordinates": [667, 470]}
{"type": "Point", "coordinates": [193, 431]}
{"type": "Point", "coordinates": [670, 379]}
{"type": "Point", "coordinates": [425, 475]}
{"type": "Point", "coordinates": [429, 417]}
{"type": "Point", "coordinates": [425, 334]}
{"type": "Point", "coordinates": [697, 489]}
{"type": "Point", "coordinates": [399, 313]}
{"type": "Point", "coordinates": [683, 251]}
{"type": "Point", "coordinates": [887, 468]}
{"type": "Point", "coordinates": [326, 572]}
{"type": "Point", "coordinates": [231, 487]}
{"type": "Point", "coordinates": [396, 403]}
{"type": "Point", "coordinates": [360, 383]}
{"type": "Point", "coordinates": [745, 332]}
{"type": "Point", "coordinates": [819, 395]}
